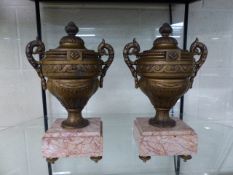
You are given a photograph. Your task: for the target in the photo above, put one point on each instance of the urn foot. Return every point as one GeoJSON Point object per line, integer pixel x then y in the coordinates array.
{"type": "Point", "coordinates": [186, 157]}
{"type": "Point", "coordinates": [96, 159]}
{"type": "Point", "coordinates": [51, 160]}
{"type": "Point", "coordinates": [66, 124]}
{"type": "Point", "coordinates": [162, 119]}
{"type": "Point", "coordinates": [74, 120]}
{"type": "Point", "coordinates": [144, 158]}
{"type": "Point", "coordinates": [162, 124]}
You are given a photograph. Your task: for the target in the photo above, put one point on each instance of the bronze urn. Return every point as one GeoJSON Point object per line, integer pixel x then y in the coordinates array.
{"type": "Point", "coordinates": [165, 72]}
{"type": "Point", "coordinates": [70, 72]}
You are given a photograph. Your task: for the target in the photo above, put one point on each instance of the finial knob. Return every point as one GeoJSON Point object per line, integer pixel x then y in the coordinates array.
{"type": "Point", "coordinates": [165, 30]}
{"type": "Point", "coordinates": [71, 29]}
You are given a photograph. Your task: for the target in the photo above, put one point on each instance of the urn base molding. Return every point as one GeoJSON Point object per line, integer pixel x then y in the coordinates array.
{"type": "Point", "coordinates": [180, 140]}
{"type": "Point", "coordinates": [82, 142]}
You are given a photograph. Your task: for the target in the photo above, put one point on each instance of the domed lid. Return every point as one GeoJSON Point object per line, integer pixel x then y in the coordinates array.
{"type": "Point", "coordinates": [165, 42]}
{"type": "Point", "coordinates": [72, 41]}
{"type": "Point", "coordinates": [71, 49]}
{"type": "Point", "coordinates": [165, 47]}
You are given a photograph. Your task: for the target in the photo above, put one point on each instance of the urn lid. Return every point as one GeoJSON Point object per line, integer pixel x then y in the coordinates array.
{"type": "Point", "coordinates": [166, 47]}
{"type": "Point", "coordinates": [71, 49]}
{"type": "Point", "coordinates": [71, 41]}
{"type": "Point", "coordinates": [165, 42]}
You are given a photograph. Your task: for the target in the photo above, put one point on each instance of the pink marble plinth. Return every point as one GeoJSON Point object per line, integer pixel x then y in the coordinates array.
{"type": "Point", "coordinates": [58, 142]}
{"type": "Point", "coordinates": [154, 141]}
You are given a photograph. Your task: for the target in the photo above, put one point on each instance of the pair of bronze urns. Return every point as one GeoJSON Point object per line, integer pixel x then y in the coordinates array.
{"type": "Point", "coordinates": [164, 73]}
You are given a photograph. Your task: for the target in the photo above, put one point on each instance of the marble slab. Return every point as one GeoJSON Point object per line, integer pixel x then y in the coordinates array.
{"type": "Point", "coordinates": [154, 141]}
{"type": "Point", "coordinates": [58, 142]}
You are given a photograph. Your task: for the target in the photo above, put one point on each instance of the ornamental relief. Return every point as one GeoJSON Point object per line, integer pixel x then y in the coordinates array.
{"type": "Point", "coordinates": [172, 55]}
{"type": "Point", "coordinates": [71, 68]}
{"type": "Point", "coordinates": [169, 91]}
{"type": "Point", "coordinates": [172, 88]}
{"type": "Point", "coordinates": [72, 88]}
{"type": "Point", "coordinates": [73, 55]}
{"type": "Point", "coordinates": [167, 84]}
{"type": "Point", "coordinates": [164, 68]}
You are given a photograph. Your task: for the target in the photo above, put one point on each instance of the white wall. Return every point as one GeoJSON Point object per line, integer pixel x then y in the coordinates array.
{"type": "Point", "coordinates": [211, 96]}
{"type": "Point", "coordinates": [20, 97]}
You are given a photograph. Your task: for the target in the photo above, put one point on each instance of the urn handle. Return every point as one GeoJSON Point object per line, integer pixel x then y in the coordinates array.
{"type": "Point", "coordinates": [198, 48]}
{"type": "Point", "coordinates": [105, 49]}
{"type": "Point", "coordinates": [32, 48]}
{"type": "Point", "coordinates": [132, 48]}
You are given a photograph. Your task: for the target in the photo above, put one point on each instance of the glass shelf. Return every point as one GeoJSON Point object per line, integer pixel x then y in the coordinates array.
{"type": "Point", "coordinates": [21, 154]}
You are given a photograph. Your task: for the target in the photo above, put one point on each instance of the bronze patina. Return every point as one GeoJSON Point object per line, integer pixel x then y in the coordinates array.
{"type": "Point", "coordinates": [165, 72]}
{"type": "Point", "coordinates": [70, 72]}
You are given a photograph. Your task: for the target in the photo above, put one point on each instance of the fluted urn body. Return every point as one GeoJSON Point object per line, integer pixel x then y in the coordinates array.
{"type": "Point", "coordinates": [71, 72]}
{"type": "Point", "coordinates": [165, 72]}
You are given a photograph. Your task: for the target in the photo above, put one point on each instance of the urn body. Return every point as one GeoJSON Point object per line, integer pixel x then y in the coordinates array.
{"type": "Point", "coordinates": [71, 72]}
{"type": "Point", "coordinates": [165, 72]}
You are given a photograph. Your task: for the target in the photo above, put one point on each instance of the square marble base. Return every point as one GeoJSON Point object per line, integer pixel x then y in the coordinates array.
{"type": "Point", "coordinates": [58, 142]}
{"type": "Point", "coordinates": [154, 141]}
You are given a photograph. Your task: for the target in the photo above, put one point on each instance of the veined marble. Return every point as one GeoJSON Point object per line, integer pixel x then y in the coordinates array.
{"type": "Point", "coordinates": [58, 142]}
{"type": "Point", "coordinates": [154, 141]}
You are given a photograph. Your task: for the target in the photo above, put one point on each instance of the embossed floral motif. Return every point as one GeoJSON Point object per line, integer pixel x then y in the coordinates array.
{"type": "Point", "coordinates": [74, 54]}
{"type": "Point", "coordinates": [173, 55]}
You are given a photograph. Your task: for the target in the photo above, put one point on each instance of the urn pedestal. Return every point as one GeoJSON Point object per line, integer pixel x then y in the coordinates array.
{"type": "Point", "coordinates": [165, 72]}
{"type": "Point", "coordinates": [82, 142]}
{"type": "Point", "coordinates": [180, 140]}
